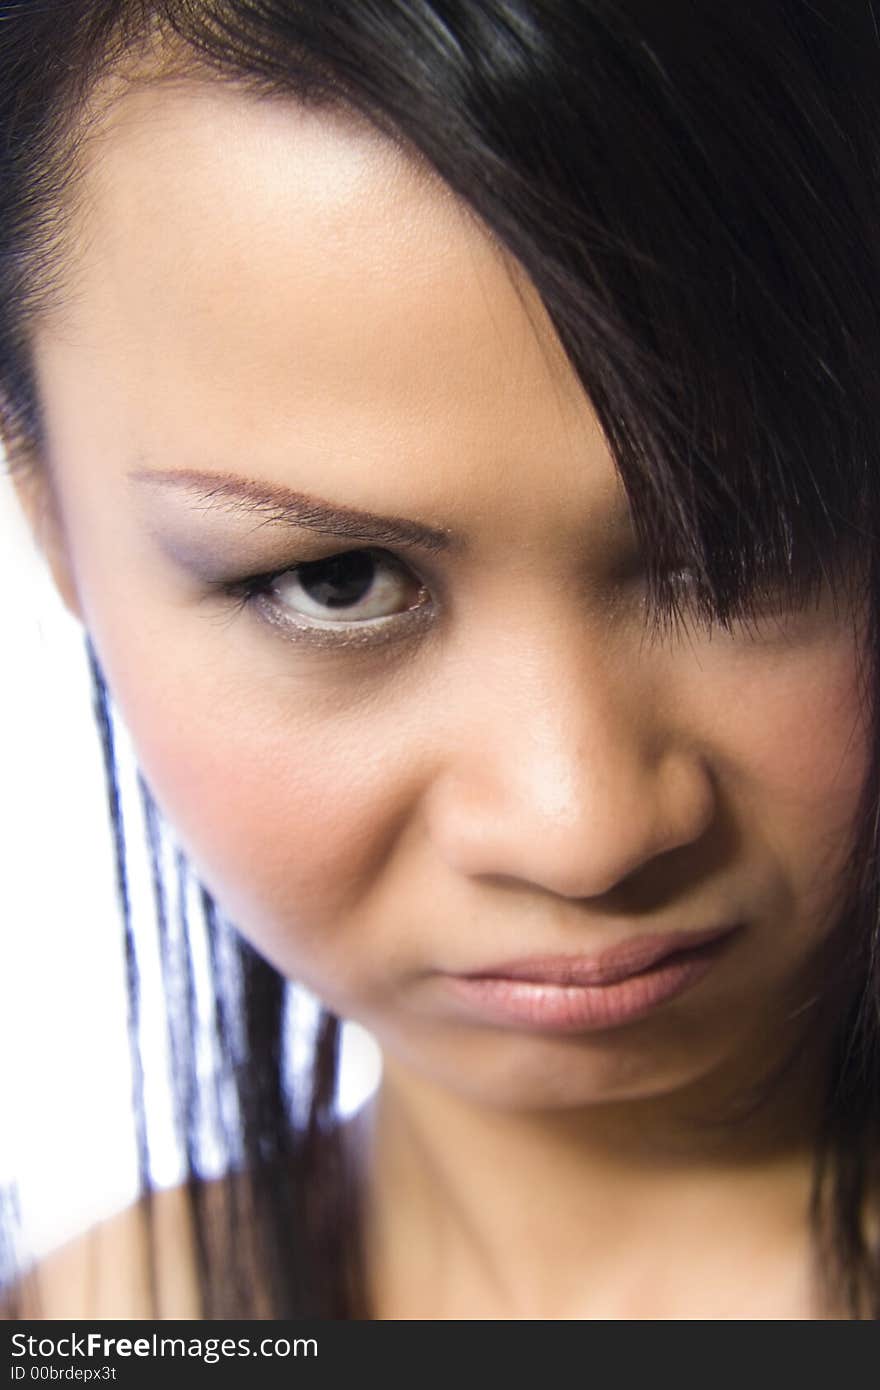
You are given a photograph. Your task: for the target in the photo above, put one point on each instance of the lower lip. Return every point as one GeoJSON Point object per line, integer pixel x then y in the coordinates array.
{"type": "Point", "coordinates": [547, 1008]}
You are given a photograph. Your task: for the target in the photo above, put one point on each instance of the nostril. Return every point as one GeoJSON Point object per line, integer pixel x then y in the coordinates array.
{"type": "Point", "coordinates": [635, 846]}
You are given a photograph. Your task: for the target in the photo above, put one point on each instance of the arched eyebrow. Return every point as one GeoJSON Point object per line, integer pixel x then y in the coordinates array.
{"type": "Point", "coordinates": [272, 504]}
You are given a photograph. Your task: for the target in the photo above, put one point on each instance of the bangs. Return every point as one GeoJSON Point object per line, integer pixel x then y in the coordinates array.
{"type": "Point", "coordinates": [693, 191]}
{"type": "Point", "coordinates": [683, 186]}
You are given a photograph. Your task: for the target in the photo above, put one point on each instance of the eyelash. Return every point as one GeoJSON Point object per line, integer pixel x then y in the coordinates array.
{"type": "Point", "coordinates": [256, 592]}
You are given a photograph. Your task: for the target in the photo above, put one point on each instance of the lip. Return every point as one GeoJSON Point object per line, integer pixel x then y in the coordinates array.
{"type": "Point", "coordinates": [580, 994]}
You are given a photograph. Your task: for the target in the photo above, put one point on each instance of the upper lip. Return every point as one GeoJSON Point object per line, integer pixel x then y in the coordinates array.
{"type": "Point", "coordinates": [606, 967]}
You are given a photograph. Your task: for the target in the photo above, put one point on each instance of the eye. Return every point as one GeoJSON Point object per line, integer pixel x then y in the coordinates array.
{"type": "Point", "coordinates": [690, 606]}
{"type": "Point", "coordinates": [681, 579]}
{"type": "Point", "coordinates": [355, 595]}
{"type": "Point", "coordinates": [684, 580]}
{"type": "Point", "coordinates": [357, 586]}
{"type": "Point", "coordinates": [683, 605]}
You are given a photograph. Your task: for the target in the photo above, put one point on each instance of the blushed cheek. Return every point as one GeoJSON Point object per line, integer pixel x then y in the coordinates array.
{"type": "Point", "coordinates": [804, 751]}
{"type": "Point", "coordinates": [285, 821]}
{"type": "Point", "coordinates": [828, 748]}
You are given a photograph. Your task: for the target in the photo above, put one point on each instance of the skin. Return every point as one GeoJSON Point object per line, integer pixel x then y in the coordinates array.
{"type": "Point", "coordinates": [520, 774]}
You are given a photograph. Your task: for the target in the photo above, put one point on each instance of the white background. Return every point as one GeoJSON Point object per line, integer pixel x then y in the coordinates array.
{"type": "Point", "coordinates": [66, 1133]}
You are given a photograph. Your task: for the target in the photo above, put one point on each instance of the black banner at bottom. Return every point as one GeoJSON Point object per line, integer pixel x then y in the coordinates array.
{"type": "Point", "coordinates": [127, 1355]}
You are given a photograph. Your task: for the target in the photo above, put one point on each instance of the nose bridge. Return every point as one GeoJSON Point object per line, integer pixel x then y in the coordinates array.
{"type": "Point", "coordinates": [562, 769]}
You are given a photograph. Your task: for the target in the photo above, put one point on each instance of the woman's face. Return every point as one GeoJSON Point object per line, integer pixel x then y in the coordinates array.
{"type": "Point", "coordinates": [285, 342]}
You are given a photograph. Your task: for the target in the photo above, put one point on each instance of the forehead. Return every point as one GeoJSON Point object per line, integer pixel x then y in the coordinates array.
{"type": "Point", "coordinates": [284, 276]}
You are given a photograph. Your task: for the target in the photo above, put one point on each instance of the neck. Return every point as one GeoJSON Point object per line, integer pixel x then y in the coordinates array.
{"type": "Point", "coordinates": [575, 1212]}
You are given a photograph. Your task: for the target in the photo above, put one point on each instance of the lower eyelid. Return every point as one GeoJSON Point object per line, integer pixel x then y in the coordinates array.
{"type": "Point", "coordinates": [366, 634]}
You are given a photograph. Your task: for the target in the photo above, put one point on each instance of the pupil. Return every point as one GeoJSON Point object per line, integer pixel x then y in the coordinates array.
{"type": "Point", "coordinates": [339, 581]}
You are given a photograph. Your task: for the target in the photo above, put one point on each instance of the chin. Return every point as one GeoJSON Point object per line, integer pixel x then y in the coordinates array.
{"type": "Point", "coordinates": [507, 1071]}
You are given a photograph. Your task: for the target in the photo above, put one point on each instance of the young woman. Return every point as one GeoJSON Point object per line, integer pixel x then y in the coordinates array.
{"type": "Point", "coordinates": [455, 426]}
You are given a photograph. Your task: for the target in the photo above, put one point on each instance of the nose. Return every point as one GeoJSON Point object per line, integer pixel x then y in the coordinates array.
{"type": "Point", "coordinates": [560, 772]}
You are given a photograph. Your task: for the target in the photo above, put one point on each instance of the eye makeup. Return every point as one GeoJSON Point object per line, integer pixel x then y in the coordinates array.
{"type": "Point", "coordinates": [272, 505]}
{"type": "Point", "coordinates": [220, 541]}
{"type": "Point", "coordinates": [260, 594]}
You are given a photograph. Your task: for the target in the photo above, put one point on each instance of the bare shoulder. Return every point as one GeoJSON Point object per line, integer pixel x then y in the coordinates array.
{"type": "Point", "coordinates": [105, 1273]}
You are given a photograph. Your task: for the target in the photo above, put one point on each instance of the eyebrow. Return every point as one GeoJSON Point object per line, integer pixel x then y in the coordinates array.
{"type": "Point", "coordinates": [277, 505]}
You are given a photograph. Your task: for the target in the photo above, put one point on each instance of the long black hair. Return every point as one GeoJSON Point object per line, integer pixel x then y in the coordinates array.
{"type": "Point", "coordinates": [694, 190]}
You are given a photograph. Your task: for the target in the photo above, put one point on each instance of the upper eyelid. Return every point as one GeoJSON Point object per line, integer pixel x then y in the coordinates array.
{"type": "Point", "coordinates": [257, 583]}
{"type": "Point", "coordinates": [269, 576]}
{"type": "Point", "coordinates": [257, 586]}
{"type": "Point", "coordinates": [629, 565]}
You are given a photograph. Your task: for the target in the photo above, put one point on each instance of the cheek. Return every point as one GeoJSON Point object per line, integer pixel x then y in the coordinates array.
{"type": "Point", "coordinates": [287, 815]}
{"type": "Point", "coordinates": [798, 745]}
